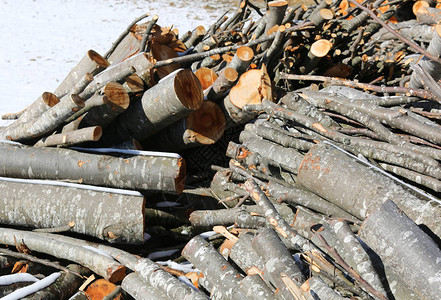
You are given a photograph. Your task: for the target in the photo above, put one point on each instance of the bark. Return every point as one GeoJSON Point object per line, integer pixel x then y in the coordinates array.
{"type": "Point", "coordinates": [275, 14]}
{"type": "Point", "coordinates": [253, 286]}
{"type": "Point", "coordinates": [318, 50]}
{"type": "Point", "coordinates": [214, 266]}
{"type": "Point", "coordinates": [39, 106]}
{"type": "Point", "coordinates": [136, 172]}
{"type": "Point", "coordinates": [242, 59]}
{"type": "Point", "coordinates": [297, 195]}
{"type": "Point", "coordinates": [44, 243]}
{"type": "Point", "coordinates": [127, 47]}
{"type": "Point", "coordinates": [245, 257]}
{"type": "Point", "coordinates": [321, 16]}
{"type": "Point", "coordinates": [428, 15]}
{"type": "Point", "coordinates": [325, 170]}
{"type": "Point", "coordinates": [166, 283]}
{"type": "Point", "coordinates": [353, 253]}
{"type": "Point", "coordinates": [201, 127]}
{"type": "Point", "coordinates": [179, 94]}
{"type": "Point", "coordinates": [84, 135]}
{"type": "Point", "coordinates": [316, 287]}
{"type": "Point", "coordinates": [278, 263]}
{"type": "Point", "coordinates": [290, 236]}
{"type": "Point", "coordinates": [136, 287]}
{"type": "Point", "coordinates": [64, 287]}
{"type": "Point", "coordinates": [196, 37]}
{"type": "Point", "coordinates": [54, 206]}
{"type": "Point", "coordinates": [401, 243]}
{"type": "Point", "coordinates": [227, 78]}
{"type": "Point", "coordinates": [431, 67]}
{"type": "Point", "coordinates": [92, 63]}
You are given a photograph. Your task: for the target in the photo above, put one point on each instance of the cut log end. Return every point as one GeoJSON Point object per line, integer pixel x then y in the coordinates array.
{"type": "Point", "coordinates": [231, 74]}
{"type": "Point", "coordinates": [135, 83]}
{"type": "Point", "coordinates": [101, 61]}
{"type": "Point", "coordinates": [50, 99]}
{"type": "Point", "coordinates": [77, 101]}
{"type": "Point", "coordinates": [278, 3]}
{"type": "Point", "coordinates": [116, 275]}
{"type": "Point", "coordinates": [207, 123]}
{"type": "Point", "coordinates": [206, 77]}
{"type": "Point", "coordinates": [117, 96]}
{"type": "Point", "coordinates": [245, 53]}
{"type": "Point", "coordinates": [321, 47]}
{"type": "Point", "coordinates": [188, 89]}
{"type": "Point", "coordinates": [200, 30]}
{"type": "Point", "coordinates": [418, 5]}
{"type": "Point", "coordinates": [97, 133]}
{"type": "Point", "coordinates": [326, 14]}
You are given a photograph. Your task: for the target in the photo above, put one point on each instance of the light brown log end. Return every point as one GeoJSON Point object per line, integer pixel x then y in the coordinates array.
{"type": "Point", "coordinates": [101, 61]}
{"type": "Point", "coordinates": [231, 74]}
{"type": "Point", "coordinates": [116, 275]}
{"type": "Point", "coordinates": [50, 99]}
{"type": "Point", "coordinates": [326, 14]}
{"type": "Point", "coordinates": [206, 77]}
{"type": "Point", "coordinates": [135, 83]}
{"type": "Point", "coordinates": [207, 124]}
{"type": "Point", "coordinates": [97, 132]}
{"type": "Point", "coordinates": [245, 53]}
{"type": "Point", "coordinates": [188, 89]}
{"type": "Point", "coordinates": [117, 96]}
{"type": "Point", "coordinates": [419, 5]}
{"type": "Point", "coordinates": [278, 3]}
{"type": "Point", "coordinates": [200, 30]}
{"type": "Point", "coordinates": [321, 47]}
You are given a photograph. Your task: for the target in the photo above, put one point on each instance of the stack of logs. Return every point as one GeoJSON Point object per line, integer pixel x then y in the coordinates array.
{"type": "Point", "coordinates": [315, 132]}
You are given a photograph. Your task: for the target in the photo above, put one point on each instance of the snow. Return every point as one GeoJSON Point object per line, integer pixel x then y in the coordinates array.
{"type": "Point", "coordinates": [41, 41]}
{"type": "Point", "coordinates": [35, 287]}
{"type": "Point", "coordinates": [17, 277]}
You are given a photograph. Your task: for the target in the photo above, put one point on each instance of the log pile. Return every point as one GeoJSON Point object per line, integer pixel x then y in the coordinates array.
{"type": "Point", "coordinates": [286, 152]}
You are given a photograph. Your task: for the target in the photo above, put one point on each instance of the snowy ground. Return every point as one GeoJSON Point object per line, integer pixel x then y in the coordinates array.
{"type": "Point", "coordinates": [41, 40]}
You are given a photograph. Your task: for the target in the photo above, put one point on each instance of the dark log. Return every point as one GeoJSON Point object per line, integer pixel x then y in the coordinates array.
{"type": "Point", "coordinates": [140, 172]}
{"type": "Point", "coordinates": [179, 94]}
{"type": "Point", "coordinates": [401, 244]}
{"type": "Point", "coordinates": [42, 242]}
{"type": "Point", "coordinates": [201, 127]}
{"type": "Point", "coordinates": [88, 134]}
{"type": "Point", "coordinates": [325, 170]}
{"type": "Point", "coordinates": [136, 287]}
{"type": "Point", "coordinates": [57, 205]}
{"type": "Point", "coordinates": [214, 266]}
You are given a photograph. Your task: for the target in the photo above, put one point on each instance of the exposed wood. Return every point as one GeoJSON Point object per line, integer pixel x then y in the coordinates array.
{"type": "Point", "coordinates": [88, 134]}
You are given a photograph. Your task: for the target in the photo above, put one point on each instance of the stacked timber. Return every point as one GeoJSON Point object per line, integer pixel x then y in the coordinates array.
{"type": "Point", "coordinates": [285, 152]}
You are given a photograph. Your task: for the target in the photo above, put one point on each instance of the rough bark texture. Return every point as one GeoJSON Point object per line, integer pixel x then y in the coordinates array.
{"type": "Point", "coordinates": [42, 242]}
{"type": "Point", "coordinates": [325, 170]}
{"type": "Point", "coordinates": [136, 287]}
{"type": "Point", "coordinates": [401, 244]}
{"type": "Point", "coordinates": [137, 172]}
{"type": "Point", "coordinates": [121, 217]}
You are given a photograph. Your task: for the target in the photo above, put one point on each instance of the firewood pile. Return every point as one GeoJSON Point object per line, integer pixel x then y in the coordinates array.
{"type": "Point", "coordinates": [285, 152]}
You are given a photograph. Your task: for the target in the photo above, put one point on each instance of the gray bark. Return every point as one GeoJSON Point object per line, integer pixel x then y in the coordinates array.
{"type": "Point", "coordinates": [359, 189]}
{"type": "Point", "coordinates": [404, 249]}
{"type": "Point", "coordinates": [27, 204]}
{"type": "Point", "coordinates": [136, 287]}
{"type": "Point", "coordinates": [88, 134]}
{"type": "Point", "coordinates": [136, 172]}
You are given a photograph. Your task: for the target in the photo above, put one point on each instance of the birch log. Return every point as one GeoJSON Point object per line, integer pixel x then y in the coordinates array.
{"type": "Point", "coordinates": [136, 287]}
{"type": "Point", "coordinates": [104, 214]}
{"type": "Point", "coordinates": [404, 249]}
{"type": "Point", "coordinates": [137, 172]}
{"type": "Point", "coordinates": [359, 189]}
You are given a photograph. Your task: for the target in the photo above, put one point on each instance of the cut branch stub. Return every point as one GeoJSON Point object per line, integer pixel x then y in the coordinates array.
{"type": "Point", "coordinates": [242, 59]}
{"type": "Point", "coordinates": [201, 127]}
{"type": "Point", "coordinates": [170, 100]}
{"type": "Point", "coordinates": [402, 245]}
{"type": "Point", "coordinates": [359, 189]}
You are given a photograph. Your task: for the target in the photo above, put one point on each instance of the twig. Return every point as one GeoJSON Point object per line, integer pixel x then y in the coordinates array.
{"type": "Point", "coordinates": [38, 260]}
{"type": "Point", "coordinates": [146, 34]}
{"type": "Point", "coordinates": [125, 32]}
{"type": "Point", "coordinates": [399, 36]}
{"type": "Point", "coordinates": [351, 271]}
{"type": "Point", "coordinates": [221, 50]}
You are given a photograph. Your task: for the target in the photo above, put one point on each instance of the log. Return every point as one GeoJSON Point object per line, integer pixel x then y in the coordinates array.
{"type": "Point", "coordinates": [139, 289]}
{"type": "Point", "coordinates": [275, 14]}
{"type": "Point", "coordinates": [179, 94]}
{"type": "Point", "coordinates": [206, 77]}
{"type": "Point", "coordinates": [318, 50]}
{"type": "Point", "coordinates": [253, 286]}
{"type": "Point", "coordinates": [84, 135]}
{"type": "Point", "coordinates": [92, 63]}
{"type": "Point", "coordinates": [227, 78]}
{"type": "Point", "coordinates": [42, 242]}
{"type": "Point", "coordinates": [39, 106]}
{"type": "Point", "coordinates": [325, 170]}
{"type": "Point", "coordinates": [214, 266]}
{"type": "Point", "coordinates": [401, 244]}
{"type": "Point", "coordinates": [201, 127]}
{"type": "Point", "coordinates": [56, 204]}
{"type": "Point", "coordinates": [242, 59]}
{"type": "Point", "coordinates": [138, 172]}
